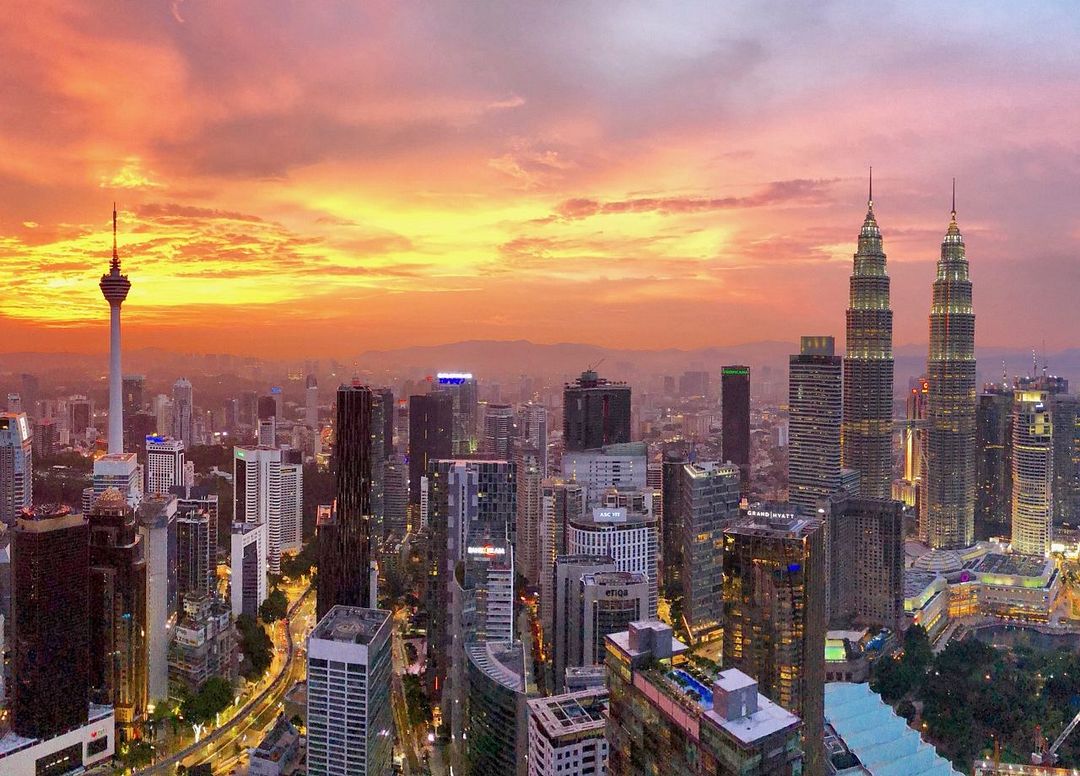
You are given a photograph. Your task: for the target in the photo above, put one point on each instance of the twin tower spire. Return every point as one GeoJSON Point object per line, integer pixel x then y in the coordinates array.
{"type": "Point", "coordinates": [866, 436]}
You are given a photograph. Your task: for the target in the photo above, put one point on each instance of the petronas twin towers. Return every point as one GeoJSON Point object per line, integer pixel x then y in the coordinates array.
{"type": "Point", "coordinates": [866, 444]}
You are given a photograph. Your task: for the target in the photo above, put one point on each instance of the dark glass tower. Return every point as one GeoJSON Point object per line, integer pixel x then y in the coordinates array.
{"type": "Point", "coordinates": [345, 542]}
{"type": "Point", "coordinates": [735, 419]}
{"type": "Point", "coordinates": [868, 367]}
{"type": "Point", "coordinates": [431, 436]}
{"type": "Point", "coordinates": [50, 607]}
{"type": "Point", "coordinates": [118, 648]}
{"type": "Point", "coordinates": [950, 368]}
{"type": "Point", "coordinates": [595, 412]}
{"type": "Point", "coordinates": [993, 465]}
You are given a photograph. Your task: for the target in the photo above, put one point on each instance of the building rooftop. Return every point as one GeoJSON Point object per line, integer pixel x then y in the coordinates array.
{"type": "Point", "coordinates": [12, 742]}
{"type": "Point", "coordinates": [764, 718]}
{"type": "Point", "coordinates": [880, 740]}
{"type": "Point", "coordinates": [1014, 565]}
{"type": "Point", "coordinates": [573, 712]}
{"type": "Point", "coordinates": [916, 581]}
{"type": "Point", "coordinates": [276, 743]}
{"type": "Point", "coordinates": [351, 624]}
{"type": "Point", "coordinates": [502, 661]}
{"type": "Point", "coordinates": [774, 519]}
{"type": "Point", "coordinates": [614, 578]}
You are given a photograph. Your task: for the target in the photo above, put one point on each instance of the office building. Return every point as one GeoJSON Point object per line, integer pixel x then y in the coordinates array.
{"type": "Point", "coordinates": [311, 402]}
{"type": "Point", "coordinates": [566, 734]}
{"type": "Point", "coordinates": [204, 645]}
{"type": "Point", "coordinates": [868, 366]}
{"type": "Point", "coordinates": [627, 534]}
{"type": "Point", "coordinates": [530, 478]}
{"type": "Point", "coordinates": [489, 574]}
{"type": "Point", "coordinates": [663, 719]}
{"type": "Point", "coordinates": [866, 562]}
{"type": "Point", "coordinates": [596, 413]}
{"type": "Point", "coordinates": [533, 423]}
{"type": "Point", "coordinates": [183, 412]}
{"type": "Point", "coordinates": [89, 746]}
{"type": "Point", "coordinates": [606, 602]}
{"type": "Point", "coordinates": [46, 442]}
{"type": "Point", "coordinates": [164, 464]}
{"type": "Point", "coordinates": [735, 419]}
{"type": "Point", "coordinates": [382, 424]}
{"type": "Point", "coordinates": [134, 388]}
{"type": "Point", "coordinates": [345, 542]}
{"type": "Point", "coordinates": [911, 487]}
{"type": "Point", "coordinates": [196, 545]}
{"type": "Point", "coordinates": [710, 502]}
{"type": "Point", "coordinates": [16, 467]}
{"type": "Point", "coordinates": [1032, 473]}
{"type": "Point", "coordinates": [461, 387]}
{"type": "Point", "coordinates": [157, 529]}
{"type": "Point", "coordinates": [119, 653]}
{"type": "Point", "coordinates": [620, 466]}
{"type": "Point", "coordinates": [950, 368]}
{"type": "Point", "coordinates": [561, 503]}
{"type": "Point", "coordinates": [564, 632]}
{"type": "Point", "coordinates": [496, 736]}
{"type": "Point", "coordinates": [431, 422]}
{"type": "Point", "coordinates": [498, 430]}
{"type": "Point", "coordinates": [137, 427]}
{"type": "Point", "coordinates": [350, 727]}
{"type": "Point", "coordinates": [51, 650]}
{"type": "Point", "coordinates": [774, 612]}
{"type": "Point", "coordinates": [248, 567]}
{"type": "Point", "coordinates": [120, 471]}
{"type": "Point", "coordinates": [266, 432]}
{"type": "Point", "coordinates": [671, 478]}
{"type": "Point", "coordinates": [815, 415]}
{"type": "Point", "coordinates": [396, 496]}
{"type": "Point", "coordinates": [79, 415]}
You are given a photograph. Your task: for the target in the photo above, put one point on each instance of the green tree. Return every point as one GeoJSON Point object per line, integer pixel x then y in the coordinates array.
{"type": "Point", "coordinates": [256, 646]}
{"type": "Point", "coordinates": [275, 607]}
{"type": "Point", "coordinates": [215, 696]}
{"type": "Point", "coordinates": [918, 653]}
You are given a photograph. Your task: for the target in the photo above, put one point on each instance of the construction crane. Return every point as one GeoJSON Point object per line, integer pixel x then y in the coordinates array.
{"type": "Point", "coordinates": [1049, 757]}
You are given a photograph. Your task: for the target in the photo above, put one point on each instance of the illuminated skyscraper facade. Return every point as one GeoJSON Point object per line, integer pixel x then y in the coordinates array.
{"type": "Point", "coordinates": [950, 368]}
{"type": "Point", "coordinates": [815, 411]}
{"type": "Point", "coordinates": [1032, 472]}
{"type": "Point", "coordinates": [735, 419]}
{"type": "Point", "coordinates": [868, 367]}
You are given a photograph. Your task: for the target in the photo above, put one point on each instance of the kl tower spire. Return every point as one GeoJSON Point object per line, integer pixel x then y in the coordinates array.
{"type": "Point", "coordinates": [115, 287]}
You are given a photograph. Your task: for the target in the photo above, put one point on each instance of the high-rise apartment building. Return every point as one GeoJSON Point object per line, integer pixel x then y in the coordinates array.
{"type": "Point", "coordinates": [117, 612]}
{"type": "Point", "coordinates": [257, 495]}
{"type": "Point", "coordinates": [562, 503]}
{"type": "Point", "coordinates": [461, 387]}
{"type": "Point", "coordinates": [671, 479]}
{"type": "Point", "coordinates": [157, 529]}
{"type": "Point", "coordinates": [566, 734]}
{"type": "Point", "coordinates": [774, 612]}
{"type": "Point", "coordinates": [50, 604]}
{"type": "Point", "coordinates": [196, 542]}
{"type": "Point", "coordinates": [596, 412]}
{"type": "Point", "coordinates": [950, 368]}
{"type": "Point", "coordinates": [183, 412]}
{"type": "Point", "coordinates": [620, 466]}
{"type": "Point", "coordinates": [662, 719]}
{"type": "Point", "coordinates": [735, 419]}
{"type": "Point", "coordinates": [164, 464]}
{"type": "Point", "coordinates": [815, 412]}
{"type": "Point", "coordinates": [496, 711]}
{"type": "Point", "coordinates": [350, 725]}
{"type": "Point", "coordinates": [993, 449]}
{"type": "Point", "coordinates": [868, 366]}
{"type": "Point", "coordinates": [311, 402]}
{"type": "Point", "coordinates": [431, 424]}
{"type": "Point", "coordinates": [134, 387]}
{"type": "Point", "coordinates": [79, 417]}
{"type": "Point", "coordinates": [710, 502]}
{"type": "Point", "coordinates": [345, 543]}
{"type": "Point", "coordinates": [16, 466]}
{"type": "Point", "coordinates": [1032, 472]}
{"type": "Point", "coordinates": [292, 507]}
{"type": "Point", "coordinates": [498, 430]}
{"type": "Point", "coordinates": [534, 432]}
{"type": "Point", "coordinates": [247, 567]}
{"type": "Point", "coordinates": [530, 477]}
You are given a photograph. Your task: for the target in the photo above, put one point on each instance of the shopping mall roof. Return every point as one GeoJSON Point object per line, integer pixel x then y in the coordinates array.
{"type": "Point", "coordinates": [881, 740]}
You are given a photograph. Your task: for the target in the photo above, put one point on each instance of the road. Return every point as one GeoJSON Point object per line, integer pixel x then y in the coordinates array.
{"type": "Point", "coordinates": [257, 715]}
{"type": "Point", "coordinates": [409, 738]}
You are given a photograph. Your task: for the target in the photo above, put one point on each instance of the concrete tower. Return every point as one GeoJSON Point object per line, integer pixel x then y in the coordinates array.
{"type": "Point", "coordinates": [868, 365]}
{"type": "Point", "coordinates": [115, 287]}
{"type": "Point", "coordinates": [950, 368]}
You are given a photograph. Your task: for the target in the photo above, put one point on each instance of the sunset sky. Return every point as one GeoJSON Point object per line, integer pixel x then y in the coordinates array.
{"type": "Point", "coordinates": [317, 178]}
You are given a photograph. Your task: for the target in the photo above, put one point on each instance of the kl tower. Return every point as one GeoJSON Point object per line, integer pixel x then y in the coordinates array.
{"type": "Point", "coordinates": [115, 287]}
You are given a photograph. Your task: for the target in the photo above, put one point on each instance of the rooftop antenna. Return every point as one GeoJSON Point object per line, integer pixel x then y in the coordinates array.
{"type": "Point", "coordinates": [115, 255]}
{"type": "Point", "coordinates": [954, 198]}
{"type": "Point", "coordinates": [1034, 364]}
{"type": "Point", "coordinates": [870, 197]}
{"type": "Point", "coordinates": [1046, 361]}
{"type": "Point", "coordinates": [1004, 375]}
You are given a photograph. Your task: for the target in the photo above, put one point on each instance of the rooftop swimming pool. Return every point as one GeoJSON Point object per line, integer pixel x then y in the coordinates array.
{"type": "Point", "coordinates": [688, 682]}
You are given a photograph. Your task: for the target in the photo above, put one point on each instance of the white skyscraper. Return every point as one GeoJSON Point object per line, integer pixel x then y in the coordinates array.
{"type": "Point", "coordinates": [292, 507]}
{"type": "Point", "coordinates": [183, 427]}
{"type": "Point", "coordinates": [157, 527]}
{"type": "Point", "coordinates": [626, 534]}
{"type": "Point", "coordinates": [162, 408]}
{"type": "Point", "coordinates": [622, 466]}
{"type": "Point", "coordinates": [114, 287]}
{"type": "Point", "coordinates": [16, 466]}
{"type": "Point", "coordinates": [164, 464]}
{"type": "Point", "coordinates": [257, 495]}
{"type": "Point", "coordinates": [311, 402]}
{"type": "Point", "coordinates": [1032, 473]}
{"type": "Point", "coordinates": [349, 720]}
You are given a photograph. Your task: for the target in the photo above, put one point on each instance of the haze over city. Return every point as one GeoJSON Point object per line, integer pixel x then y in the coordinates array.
{"type": "Point", "coordinates": [341, 177]}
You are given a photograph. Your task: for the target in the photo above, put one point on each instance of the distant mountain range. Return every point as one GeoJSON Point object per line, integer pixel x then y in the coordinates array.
{"type": "Point", "coordinates": [504, 359]}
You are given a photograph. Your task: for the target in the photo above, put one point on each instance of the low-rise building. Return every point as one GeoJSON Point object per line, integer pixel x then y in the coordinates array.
{"type": "Point", "coordinates": [82, 747]}
{"type": "Point", "coordinates": [566, 734]}
{"type": "Point", "coordinates": [204, 644]}
{"type": "Point", "coordinates": [278, 753]}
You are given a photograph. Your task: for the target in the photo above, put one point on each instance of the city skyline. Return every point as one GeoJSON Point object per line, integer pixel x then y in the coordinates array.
{"type": "Point", "coordinates": [710, 181]}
